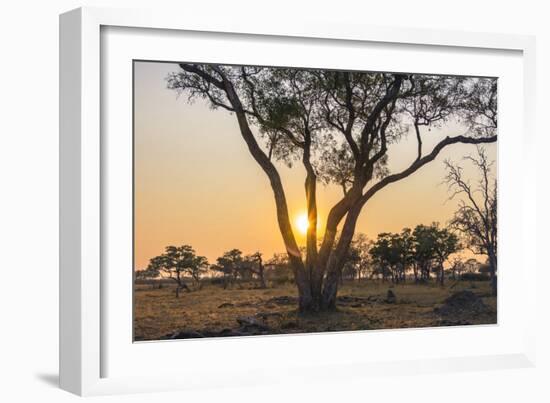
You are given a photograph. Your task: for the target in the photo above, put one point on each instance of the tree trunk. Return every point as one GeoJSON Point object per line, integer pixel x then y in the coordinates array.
{"type": "Point", "coordinates": [305, 300]}
{"type": "Point", "coordinates": [197, 282]}
{"type": "Point", "coordinates": [337, 258]}
{"type": "Point", "coordinates": [262, 277]}
{"type": "Point", "coordinates": [295, 259]}
{"type": "Point", "coordinates": [260, 272]}
{"type": "Point", "coordinates": [492, 272]}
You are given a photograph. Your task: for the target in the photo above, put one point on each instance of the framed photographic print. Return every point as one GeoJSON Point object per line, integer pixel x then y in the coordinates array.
{"type": "Point", "coordinates": [255, 197]}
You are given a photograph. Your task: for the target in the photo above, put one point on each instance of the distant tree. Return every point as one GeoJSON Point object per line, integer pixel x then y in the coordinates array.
{"type": "Point", "coordinates": [471, 265]}
{"type": "Point", "coordinates": [361, 244]}
{"type": "Point", "coordinates": [385, 252]}
{"type": "Point", "coordinates": [351, 264]}
{"type": "Point", "coordinates": [446, 243]}
{"type": "Point", "coordinates": [394, 253]}
{"type": "Point", "coordinates": [457, 267]}
{"type": "Point", "coordinates": [484, 268]}
{"type": "Point", "coordinates": [405, 245]}
{"type": "Point", "coordinates": [339, 125]}
{"type": "Point", "coordinates": [255, 265]}
{"type": "Point", "coordinates": [433, 245]}
{"type": "Point", "coordinates": [280, 267]}
{"type": "Point", "coordinates": [177, 262]}
{"type": "Point", "coordinates": [424, 249]}
{"type": "Point", "coordinates": [231, 265]}
{"type": "Point", "coordinates": [197, 269]}
{"type": "Point", "coordinates": [381, 254]}
{"type": "Point", "coordinates": [476, 217]}
{"type": "Point", "coordinates": [148, 274]}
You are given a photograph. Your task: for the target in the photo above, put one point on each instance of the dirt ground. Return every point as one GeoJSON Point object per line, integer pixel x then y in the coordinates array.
{"type": "Point", "coordinates": [213, 311]}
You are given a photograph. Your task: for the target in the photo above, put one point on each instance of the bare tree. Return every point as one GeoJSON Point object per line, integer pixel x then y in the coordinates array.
{"type": "Point", "coordinates": [339, 126]}
{"type": "Point", "coordinates": [476, 217]}
{"type": "Point", "coordinates": [255, 264]}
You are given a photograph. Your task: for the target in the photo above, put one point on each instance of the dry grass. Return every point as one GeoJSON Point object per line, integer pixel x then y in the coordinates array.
{"type": "Point", "coordinates": [158, 312]}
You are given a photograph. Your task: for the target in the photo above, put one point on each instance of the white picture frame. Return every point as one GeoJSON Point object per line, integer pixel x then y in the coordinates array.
{"type": "Point", "coordinates": [88, 318]}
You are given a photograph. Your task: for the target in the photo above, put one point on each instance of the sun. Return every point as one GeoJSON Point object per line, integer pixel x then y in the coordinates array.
{"type": "Point", "coordinates": [302, 223]}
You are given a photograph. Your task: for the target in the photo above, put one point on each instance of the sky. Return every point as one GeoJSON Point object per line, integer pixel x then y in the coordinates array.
{"type": "Point", "coordinates": [196, 183]}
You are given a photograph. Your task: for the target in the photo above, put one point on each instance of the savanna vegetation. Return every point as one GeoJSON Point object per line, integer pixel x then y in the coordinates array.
{"type": "Point", "coordinates": [338, 126]}
{"type": "Point", "coordinates": [414, 278]}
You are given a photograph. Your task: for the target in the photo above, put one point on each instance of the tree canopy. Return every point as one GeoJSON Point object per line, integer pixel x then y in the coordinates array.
{"type": "Point", "coordinates": [177, 262]}
{"type": "Point", "coordinates": [476, 216]}
{"type": "Point", "coordinates": [394, 253]}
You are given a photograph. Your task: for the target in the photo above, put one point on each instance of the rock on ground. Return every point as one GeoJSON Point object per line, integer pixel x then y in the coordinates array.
{"type": "Point", "coordinates": [463, 304]}
{"type": "Point", "coordinates": [390, 297]}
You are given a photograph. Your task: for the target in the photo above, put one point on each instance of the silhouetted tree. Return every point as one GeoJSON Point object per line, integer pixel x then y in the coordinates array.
{"type": "Point", "coordinates": [255, 264]}
{"type": "Point", "coordinates": [385, 253]}
{"type": "Point", "coordinates": [361, 244]}
{"type": "Point", "coordinates": [178, 261]}
{"type": "Point", "coordinates": [230, 264]}
{"type": "Point", "coordinates": [476, 217]}
{"type": "Point", "coordinates": [339, 126]}
{"type": "Point", "coordinates": [471, 265]}
{"type": "Point", "coordinates": [424, 248]}
{"type": "Point", "coordinates": [149, 273]}
{"type": "Point", "coordinates": [394, 252]}
{"type": "Point", "coordinates": [457, 268]}
{"type": "Point", "coordinates": [279, 268]}
{"type": "Point", "coordinates": [350, 269]}
{"type": "Point", "coordinates": [445, 244]}
{"type": "Point", "coordinates": [405, 245]}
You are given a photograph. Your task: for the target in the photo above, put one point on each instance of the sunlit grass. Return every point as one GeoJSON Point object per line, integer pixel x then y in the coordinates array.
{"type": "Point", "coordinates": [158, 312]}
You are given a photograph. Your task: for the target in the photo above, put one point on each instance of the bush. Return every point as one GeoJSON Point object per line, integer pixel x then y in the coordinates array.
{"type": "Point", "coordinates": [216, 280]}
{"type": "Point", "coordinates": [475, 277]}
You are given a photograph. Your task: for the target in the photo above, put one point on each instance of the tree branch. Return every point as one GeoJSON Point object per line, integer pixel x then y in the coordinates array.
{"type": "Point", "coordinates": [419, 163]}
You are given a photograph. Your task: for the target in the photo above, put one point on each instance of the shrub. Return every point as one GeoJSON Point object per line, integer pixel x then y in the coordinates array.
{"type": "Point", "coordinates": [475, 277]}
{"type": "Point", "coordinates": [216, 280]}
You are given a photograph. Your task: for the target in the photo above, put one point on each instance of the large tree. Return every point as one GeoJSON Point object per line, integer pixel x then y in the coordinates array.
{"type": "Point", "coordinates": [476, 216]}
{"type": "Point", "coordinates": [339, 126]}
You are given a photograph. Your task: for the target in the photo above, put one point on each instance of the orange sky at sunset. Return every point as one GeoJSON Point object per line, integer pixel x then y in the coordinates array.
{"type": "Point", "coordinates": [196, 183]}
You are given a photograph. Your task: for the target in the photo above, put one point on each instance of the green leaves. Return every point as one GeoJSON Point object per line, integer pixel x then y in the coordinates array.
{"type": "Point", "coordinates": [178, 260]}
{"type": "Point", "coordinates": [423, 244]}
{"type": "Point", "coordinates": [433, 242]}
{"type": "Point", "coordinates": [340, 122]}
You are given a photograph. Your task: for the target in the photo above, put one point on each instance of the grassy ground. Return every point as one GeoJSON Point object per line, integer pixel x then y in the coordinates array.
{"type": "Point", "coordinates": [361, 306]}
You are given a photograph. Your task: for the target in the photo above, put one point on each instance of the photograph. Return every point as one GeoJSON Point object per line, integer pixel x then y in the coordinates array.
{"type": "Point", "coordinates": [274, 200]}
